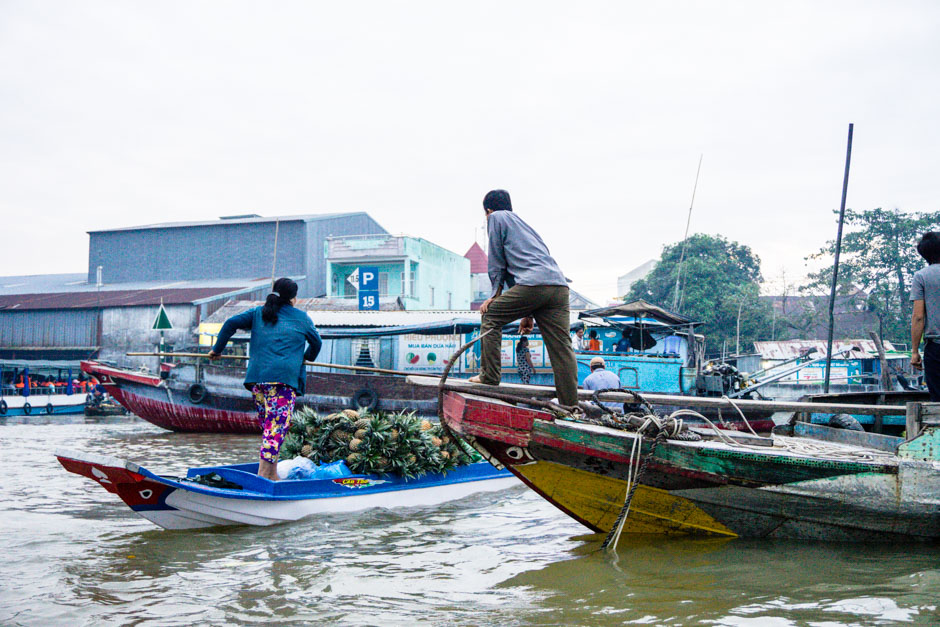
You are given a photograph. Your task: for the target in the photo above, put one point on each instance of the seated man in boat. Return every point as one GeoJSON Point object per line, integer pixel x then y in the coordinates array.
{"type": "Point", "coordinates": [602, 379]}
{"type": "Point", "coordinates": [925, 318]}
{"type": "Point", "coordinates": [534, 287]}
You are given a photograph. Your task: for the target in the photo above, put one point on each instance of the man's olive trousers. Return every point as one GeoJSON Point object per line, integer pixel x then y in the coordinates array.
{"type": "Point", "coordinates": [548, 304]}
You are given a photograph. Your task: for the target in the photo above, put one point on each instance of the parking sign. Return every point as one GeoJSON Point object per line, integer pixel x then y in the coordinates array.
{"type": "Point", "coordinates": [368, 278]}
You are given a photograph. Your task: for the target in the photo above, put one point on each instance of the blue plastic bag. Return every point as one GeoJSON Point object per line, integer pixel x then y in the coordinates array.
{"type": "Point", "coordinates": [332, 471]}
{"type": "Point", "coordinates": [302, 468]}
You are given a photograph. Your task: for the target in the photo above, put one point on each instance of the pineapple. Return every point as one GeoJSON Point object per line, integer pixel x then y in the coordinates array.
{"type": "Point", "coordinates": [306, 450]}
{"type": "Point", "coordinates": [353, 458]}
{"type": "Point", "coordinates": [426, 425]}
{"type": "Point", "coordinates": [393, 435]}
{"type": "Point", "coordinates": [362, 423]}
{"type": "Point", "coordinates": [360, 433]}
{"type": "Point", "coordinates": [436, 441]}
{"type": "Point", "coordinates": [354, 444]}
{"type": "Point", "coordinates": [340, 436]}
{"type": "Point", "coordinates": [352, 414]}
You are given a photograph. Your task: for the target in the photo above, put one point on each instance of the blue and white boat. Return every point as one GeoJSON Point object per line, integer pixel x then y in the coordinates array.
{"type": "Point", "coordinates": [240, 497]}
{"type": "Point", "coordinates": [39, 387]}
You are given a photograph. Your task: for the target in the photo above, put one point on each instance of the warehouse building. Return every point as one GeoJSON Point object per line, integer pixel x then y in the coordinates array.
{"type": "Point", "coordinates": [234, 247]}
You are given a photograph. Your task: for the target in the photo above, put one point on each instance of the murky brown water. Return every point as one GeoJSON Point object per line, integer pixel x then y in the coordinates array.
{"type": "Point", "coordinates": [74, 554]}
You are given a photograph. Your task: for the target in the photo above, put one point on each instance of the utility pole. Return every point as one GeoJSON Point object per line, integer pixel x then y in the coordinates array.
{"type": "Point", "coordinates": [737, 339]}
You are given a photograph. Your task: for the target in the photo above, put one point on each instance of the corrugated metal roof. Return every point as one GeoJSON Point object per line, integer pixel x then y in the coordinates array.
{"type": "Point", "coordinates": [65, 283]}
{"type": "Point", "coordinates": [312, 217]}
{"type": "Point", "coordinates": [112, 297]}
{"type": "Point", "coordinates": [794, 348]}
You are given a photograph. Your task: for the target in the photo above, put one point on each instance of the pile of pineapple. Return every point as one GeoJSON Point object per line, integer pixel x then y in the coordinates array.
{"type": "Point", "coordinates": [381, 443]}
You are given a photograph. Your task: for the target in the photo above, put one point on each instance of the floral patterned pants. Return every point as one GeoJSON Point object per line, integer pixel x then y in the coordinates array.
{"type": "Point", "coordinates": [275, 404]}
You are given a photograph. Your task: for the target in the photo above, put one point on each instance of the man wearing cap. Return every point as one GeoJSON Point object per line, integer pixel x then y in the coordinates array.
{"type": "Point", "coordinates": [602, 379]}
{"type": "Point", "coordinates": [535, 287]}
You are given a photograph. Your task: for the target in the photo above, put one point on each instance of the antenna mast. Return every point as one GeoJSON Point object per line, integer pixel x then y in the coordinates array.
{"type": "Point", "coordinates": [685, 240]}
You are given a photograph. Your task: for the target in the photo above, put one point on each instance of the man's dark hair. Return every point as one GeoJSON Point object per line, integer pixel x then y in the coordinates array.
{"type": "Point", "coordinates": [593, 333]}
{"type": "Point", "coordinates": [497, 200]}
{"type": "Point", "coordinates": [929, 246]}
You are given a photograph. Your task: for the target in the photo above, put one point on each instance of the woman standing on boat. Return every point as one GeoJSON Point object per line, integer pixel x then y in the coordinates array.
{"type": "Point", "coordinates": [276, 373]}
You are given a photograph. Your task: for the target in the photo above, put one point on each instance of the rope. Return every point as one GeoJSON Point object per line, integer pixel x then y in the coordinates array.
{"type": "Point", "coordinates": [740, 413]}
{"type": "Point", "coordinates": [634, 475]}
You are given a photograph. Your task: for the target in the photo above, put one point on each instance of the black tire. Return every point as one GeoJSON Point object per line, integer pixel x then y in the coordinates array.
{"type": "Point", "coordinates": [845, 421]}
{"type": "Point", "coordinates": [197, 393]}
{"type": "Point", "coordinates": [49, 408]}
{"type": "Point", "coordinates": [27, 408]}
{"type": "Point", "coordinates": [365, 399]}
{"type": "Point", "coordinates": [3, 408]}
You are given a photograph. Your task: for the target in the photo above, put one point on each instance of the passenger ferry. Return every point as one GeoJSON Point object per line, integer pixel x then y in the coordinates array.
{"type": "Point", "coordinates": [36, 387]}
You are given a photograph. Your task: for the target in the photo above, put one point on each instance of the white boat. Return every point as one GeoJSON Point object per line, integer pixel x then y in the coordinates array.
{"type": "Point", "coordinates": [241, 497]}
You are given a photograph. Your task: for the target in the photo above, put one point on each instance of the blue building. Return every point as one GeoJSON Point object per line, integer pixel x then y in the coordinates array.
{"type": "Point", "coordinates": [423, 275]}
{"type": "Point", "coordinates": [235, 247]}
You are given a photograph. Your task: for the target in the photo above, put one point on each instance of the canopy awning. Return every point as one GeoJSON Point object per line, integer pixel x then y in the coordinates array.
{"type": "Point", "coordinates": [640, 309]}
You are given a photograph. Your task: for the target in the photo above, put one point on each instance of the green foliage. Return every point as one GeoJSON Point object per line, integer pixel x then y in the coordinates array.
{"type": "Point", "coordinates": [718, 277]}
{"type": "Point", "coordinates": [878, 256]}
{"type": "Point", "coordinates": [381, 443]}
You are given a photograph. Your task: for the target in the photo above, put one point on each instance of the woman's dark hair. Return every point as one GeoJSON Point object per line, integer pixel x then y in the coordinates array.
{"type": "Point", "coordinates": [929, 246]}
{"type": "Point", "coordinates": [592, 334]}
{"type": "Point", "coordinates": [281, 294]}
{"type": "Point", "coordinates": [523, 341]}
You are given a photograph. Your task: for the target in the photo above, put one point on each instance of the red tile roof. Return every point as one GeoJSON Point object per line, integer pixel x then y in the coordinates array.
{"type": "Point", "coordinates": [478, 260]}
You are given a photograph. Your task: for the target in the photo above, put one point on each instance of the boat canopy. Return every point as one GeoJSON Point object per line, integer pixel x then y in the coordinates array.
{"type": "Point", "coordinates": [641, 310]}
{"type": "Point", "coordinates": [453, 326]}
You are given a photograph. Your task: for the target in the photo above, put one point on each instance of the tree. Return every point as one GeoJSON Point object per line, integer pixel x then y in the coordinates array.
{"type": "Point", "coordinates": [879, 256]}
{"type": "Point", "coordinates": [720, 283]}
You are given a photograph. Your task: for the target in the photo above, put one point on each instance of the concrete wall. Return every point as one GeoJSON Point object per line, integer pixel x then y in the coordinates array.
{"type": "Point", "coordinates": [128, 329]}
{"type": "Point", "coordinates": [446, 272]}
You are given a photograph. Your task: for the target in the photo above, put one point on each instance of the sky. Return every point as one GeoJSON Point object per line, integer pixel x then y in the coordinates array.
{"type": "Point", "coordinates": [593, 115]}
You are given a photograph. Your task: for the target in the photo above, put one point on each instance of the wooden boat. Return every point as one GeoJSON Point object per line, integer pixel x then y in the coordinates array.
{"type": "Point", "coordinates": [248, 499]}
{"type": "Point", "coordinates": [178, 401]}
{"type": "Point", "coordinates": [807, 481]}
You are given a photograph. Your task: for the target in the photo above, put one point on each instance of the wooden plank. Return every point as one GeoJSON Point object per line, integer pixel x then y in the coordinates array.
{"type": "Point", "coordinates": [876, 441]}
{"type": "Point", "coordinates": [546, 392]}
{"type": "Point", "coordinates": [912, 420]}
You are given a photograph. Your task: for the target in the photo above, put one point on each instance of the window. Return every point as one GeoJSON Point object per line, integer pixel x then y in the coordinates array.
{"type": "Point", "coordinates": [383, 283]}
{"type": "Point", "coordinates": [432, 295]}
{"type": "Point", "coordinates": [450, 300]}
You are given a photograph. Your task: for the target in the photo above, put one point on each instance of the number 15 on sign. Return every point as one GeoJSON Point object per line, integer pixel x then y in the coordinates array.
{"type": "Point", "coordinates": [368, 300]}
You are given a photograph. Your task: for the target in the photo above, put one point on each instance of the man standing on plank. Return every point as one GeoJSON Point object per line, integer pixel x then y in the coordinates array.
{"type": "Point", "coordinates": [925, 318]}
{"type": "Point", "coordinates": [535, 287]}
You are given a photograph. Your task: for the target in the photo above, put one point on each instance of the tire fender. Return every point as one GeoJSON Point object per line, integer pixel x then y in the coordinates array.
{"type": "Point", "coordinates": [27, 408]}
{"type": "Point", "coordinates": [49, 408]}
{"type": "Point", "coordinates": [366, 398]}
{"type": "Point", "coordinates": [3, 408]}
{"type": "Point", "coordinates": [197, 393]}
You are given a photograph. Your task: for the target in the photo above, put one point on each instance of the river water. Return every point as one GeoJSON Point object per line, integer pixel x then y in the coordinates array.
{"type": "Point", "coordinates": [72, 553]}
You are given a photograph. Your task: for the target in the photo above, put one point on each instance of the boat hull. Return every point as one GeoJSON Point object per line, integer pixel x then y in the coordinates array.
{"type": "Point", "coordinates": [705, 488]}
{"type": "Point", "coordinates": [175, 504]}
{"type": "Point", "coordinates": [227, 407]}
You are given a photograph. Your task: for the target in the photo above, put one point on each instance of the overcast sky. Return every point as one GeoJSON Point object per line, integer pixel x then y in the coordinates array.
{"type": "Point", "coordinates": [593, 115]}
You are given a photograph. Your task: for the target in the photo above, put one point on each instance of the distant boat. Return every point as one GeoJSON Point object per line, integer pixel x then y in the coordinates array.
{"type": "Point", "coordinates": [241, 497]}
{"type": "Point", "coordinates": [806, 481]}
{"type": "Point", "coordinates": [22, 394]}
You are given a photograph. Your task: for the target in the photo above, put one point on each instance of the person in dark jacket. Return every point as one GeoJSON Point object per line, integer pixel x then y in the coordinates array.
{"type": "Point", "coordinates": [276, 372]}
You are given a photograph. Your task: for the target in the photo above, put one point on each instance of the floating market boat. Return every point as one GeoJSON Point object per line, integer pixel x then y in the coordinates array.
{"type": "Point", "coordinates": [238, 496]}
{"type": "Point", "coordinates": [805, 481]}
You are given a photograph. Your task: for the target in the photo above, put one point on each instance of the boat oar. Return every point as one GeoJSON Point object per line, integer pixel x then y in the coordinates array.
{"type": "Point", "coordinates": [309, 363]}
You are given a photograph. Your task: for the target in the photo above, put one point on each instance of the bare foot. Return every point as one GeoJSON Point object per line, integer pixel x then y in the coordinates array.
{"type": "Point", "coordinates": [477, 380]}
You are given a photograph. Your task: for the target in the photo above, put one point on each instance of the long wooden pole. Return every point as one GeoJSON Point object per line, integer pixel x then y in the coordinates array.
{"type": "Point", "coordinates": [308, 363]}
{"type": "Point", "coordinates": [835, 266]}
